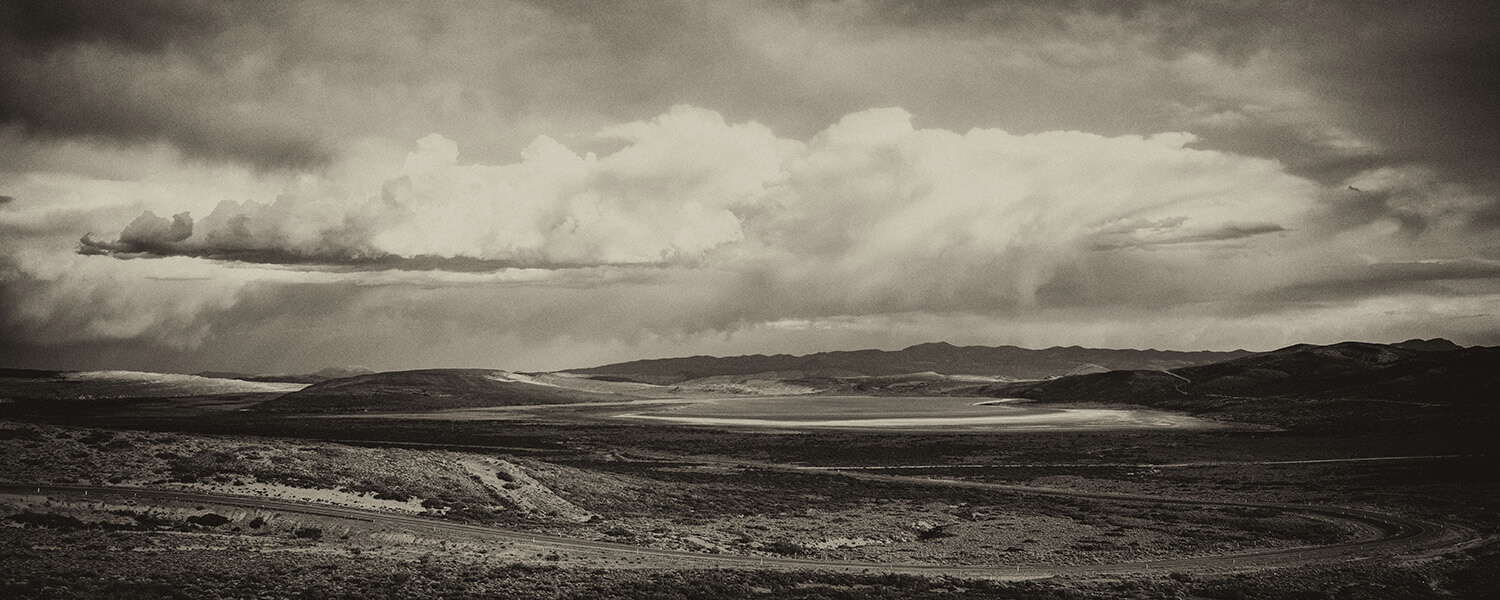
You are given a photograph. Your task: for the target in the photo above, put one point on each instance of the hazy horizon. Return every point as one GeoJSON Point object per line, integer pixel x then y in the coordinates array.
{"type": "Point", "coordinates": [316, 369]}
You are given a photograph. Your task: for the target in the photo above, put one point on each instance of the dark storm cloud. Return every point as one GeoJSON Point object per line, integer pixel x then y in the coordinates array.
{"type": "Point", "coordinates": [70, 339]}
{"type": "Point", "coordinates": [1416, 82]}
{"type": "Point", "coordinates": [143, 25]}
{"type": "Point", "coordinates": [643, 55]}
{"type": "Point", "coordinates": [333, 261]}
{"type": "Point", "coordinates": [134, 71]}
{"type": "Point", "coordinates": [1435, 278]}
{"type": "Point", "coordinates": [1235, 30]}
{"type": "Point", "coordinates": [1232, 29]}
{"type": "Point", "coordinates": [1420, 201]}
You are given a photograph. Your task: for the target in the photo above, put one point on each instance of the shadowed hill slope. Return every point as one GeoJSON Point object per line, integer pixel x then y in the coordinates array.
{"type": "Point", "coordinates": [1429, 371]}
{"type": "Point", "coordinates": [423, 390]}
{"type": "Point", "coordinates": [1470, 375]}
{"type": "Point", "coordinates": [31, 384]}
{"type": "Point", "coordinates": [322, 375]}
{"type": "Point", "coordinates": [1131, 387]}
{"type": "Point", "coordinates": [1002, 361]}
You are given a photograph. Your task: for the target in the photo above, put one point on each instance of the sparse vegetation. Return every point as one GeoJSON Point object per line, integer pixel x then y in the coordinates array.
{"type": "Point", "coordinates": [92, 571]}
{"type": "Point", "coordinates": [714, 491]}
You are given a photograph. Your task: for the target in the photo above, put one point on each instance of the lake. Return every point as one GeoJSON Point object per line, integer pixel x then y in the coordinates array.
{"type": "Point", "coordinates": [907, 412]}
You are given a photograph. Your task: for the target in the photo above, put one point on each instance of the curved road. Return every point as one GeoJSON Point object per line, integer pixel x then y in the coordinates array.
{"type": "Point", "coordinates": [1395, 535]}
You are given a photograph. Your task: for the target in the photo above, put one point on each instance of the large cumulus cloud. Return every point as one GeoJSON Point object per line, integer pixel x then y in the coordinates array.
{"type": "Point", "coordinates": [678, 189]}
{"type": "Point", "coordinates": [913, 219]}
{"type": "Point", "coordinates": [871, 204]}
{"type": "Point", "coordinates": [693, 231]}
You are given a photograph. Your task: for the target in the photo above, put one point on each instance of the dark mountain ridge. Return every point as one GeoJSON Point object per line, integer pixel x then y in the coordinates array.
{"type": "Point", "coordinates": [939, 357]}
{"type": "Point", "coordinates": [1417, 370]}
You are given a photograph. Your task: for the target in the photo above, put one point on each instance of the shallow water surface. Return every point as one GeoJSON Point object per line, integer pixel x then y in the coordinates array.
{"type": "Point", "coordinates": [920, 412]}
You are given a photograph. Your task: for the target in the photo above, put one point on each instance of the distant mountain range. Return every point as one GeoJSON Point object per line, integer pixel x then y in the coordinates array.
{"type": "Point", "coordinates": [1334, 383]}
{"type": "Point", "coordinates": [1436, 371]}
{"type": "Point", "coordinates": [1009, 362]}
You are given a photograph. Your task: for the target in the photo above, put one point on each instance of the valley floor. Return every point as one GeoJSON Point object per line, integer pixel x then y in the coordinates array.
{"type": "Point", "coordinates": [792, 505]}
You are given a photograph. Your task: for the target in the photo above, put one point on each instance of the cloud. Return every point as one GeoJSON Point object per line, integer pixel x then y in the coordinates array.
{"type": "Point", "coordinates": [1027, 193]}
{"type": "Point", "coordinates": [138, 71]}
{"type": "Point", "coordinates": [287, 84]}
{"type": "Point", "coordinates": [695, 227]}
{"type": "Point", "coordinates": [86, 301]}
{"type": "Point", "coordinates": [1344, 87]}
{"type": "Point", "coordinates": [1330, 88]}
{"type": "Point", "coordinates": [897, 218]}
{"type": "Point", "coordinates": [1413, 77]}
{"type": "Point", "coordinates": [675, 192]}
{"type": "Point", "coordinates": [1436, 278]}
{"type": "Point", "coordinates": [871, 215]}
{"type": "Point", "coordinates": [147, 234]}
{"type": "Point", "coordinates": [1417, 198]}
{"type": "Point", "coordinates": [291, 83]}
{"type": "Point", "coordinates": [142, 25]}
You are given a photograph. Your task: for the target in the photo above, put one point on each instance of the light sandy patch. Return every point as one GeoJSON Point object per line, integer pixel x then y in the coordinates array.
{"type": "Point", "coordinates": [584, 383]}
{"type": "Point", "coordinates": [740, 385]}
{"type": "Point", "coordinates": [907, 412]}
{"type": "Point", "coordinates": [141, 383]}
{"type": "Point", "coordinates": [509, 377]}
{"type": "Point", "coordinates": [322, 496]}
{"type": "Point", "coordinates": [1061, 418]}
{"type": "Point", "coordinates": [766, 384]}
{"type": "Point", "coordinates": [978, 378]}
{"type": "Point", "coordinates": [511, 482]}
{"type": "Point", "coordinates": [846, 542]}
{"type": "Point", "coordinates": [508, 413]}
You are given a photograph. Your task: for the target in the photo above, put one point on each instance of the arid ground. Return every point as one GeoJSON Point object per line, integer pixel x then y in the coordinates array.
{"type": "Point", "coordinates": [645, 490]}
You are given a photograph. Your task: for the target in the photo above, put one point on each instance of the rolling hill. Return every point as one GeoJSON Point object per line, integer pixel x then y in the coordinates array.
{"type": "Point", "coordinates": [319, 376]}
{"type": "Point", "coordinates": [105, 385]}
{"type": "Point", "coordinates": [424, 390]}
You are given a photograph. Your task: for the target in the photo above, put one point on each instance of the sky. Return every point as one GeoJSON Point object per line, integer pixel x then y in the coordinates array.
{"type": "Point", "coordinates": [288, 185]}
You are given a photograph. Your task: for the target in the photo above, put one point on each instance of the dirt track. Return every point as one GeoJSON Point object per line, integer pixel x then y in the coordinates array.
{"type": "Point", "coordinates": [1393, 535]}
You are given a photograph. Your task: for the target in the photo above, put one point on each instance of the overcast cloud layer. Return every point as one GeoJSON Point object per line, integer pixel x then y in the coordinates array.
{"type": "Point", "coordinates": [283, 186]}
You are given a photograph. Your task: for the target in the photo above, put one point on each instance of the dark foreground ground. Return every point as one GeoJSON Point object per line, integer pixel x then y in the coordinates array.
{"type": "Point", "coordinates": [714, 490]}
{"type": "Point", "coordinates": [92, 569]}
